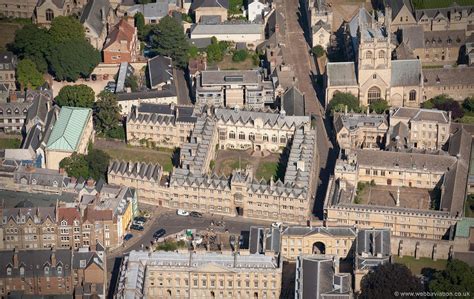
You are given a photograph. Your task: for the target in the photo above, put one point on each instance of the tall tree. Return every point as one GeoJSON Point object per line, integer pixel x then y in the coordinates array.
{"type": "Point", "coordinates": [75, 166]}
{"type": "Point", "coordinates": [33, 43]}
{"type": "Point", "coordinates": [76, 96]}
{"type": "Point", "coordinates": [106, 112]}
{"type": "Point", "coordinates": [66, 28]}
{"type": "Point", "coordinates": [387, 279]}
{"type": "Point", "coordinates": [98, 162]}
{"type": "Point", "coordinates": [446, 103]}
{"type": "Point", "coordinates": [140, 24]}
{"type": "Point", "coordinates": [342, 99]}
{"type": "Point", "coordinates": [379, 106]}
{"type": "Point", "coordinates": [468, 104]}
{"type": "Point", "coordinates": [28, 75]}
{"type": "Point", "coordinates": [168, 39]}
{"type": "Point", "coordinates": [458, 277]}
{"type": "Point", "coordinates": [73, 59]}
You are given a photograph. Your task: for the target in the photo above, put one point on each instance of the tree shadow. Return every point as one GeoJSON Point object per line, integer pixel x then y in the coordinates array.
{"type": "Point", "coordinates": [175, 156]}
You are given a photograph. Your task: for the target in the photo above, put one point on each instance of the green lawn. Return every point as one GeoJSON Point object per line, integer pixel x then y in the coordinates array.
{"type": "Point", "coordinates": [228, 64]}
{"type": "Point", "coordinates": [267, 170]}
{"type": "Point", "coordinates": [10, 143]}
{"type": "Point", "coordinates": [416, 266]}
{"type": "Point", "coordinates": [421, 4]}
{"type": "Point", "coordinates": [141, 154]}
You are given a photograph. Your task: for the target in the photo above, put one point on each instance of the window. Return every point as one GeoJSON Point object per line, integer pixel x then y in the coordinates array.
{"type": "Point", "coordinates": [374, 76]}
{"type": "Point", "coordinates": [412, 96]}
{"type": "Point", "coordinates": [46, 270]}
{"type": "Point", "coordinates": [232, 135]}
{"type": "Point", "coordinates": [381, 54]}
{"type": "Point", "coordinates": [49, 15]}
{"type": "Point", "coordinates": [22, 270]}
{"type": "Point", "coordinates": [251, 136]}
{"type": "Point", "coordinates": [60, 270]}
{"type": "Point", "coordinates": [368, 55]}
{"type": "Point", "coordinates": [274, 139]}
{"type": "Point", "coordinates": [265, 137]}
{"type": "Point", "coordinates": [242, 136]}
{"type": "Point", "coordinates": [282, 139]}
{"type": "Point", "coordinates": [9, 271]}
{"type": "Point", "coordinates": [373, 94]}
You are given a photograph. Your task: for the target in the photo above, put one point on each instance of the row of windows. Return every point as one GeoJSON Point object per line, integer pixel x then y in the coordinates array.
{"type": "Point", "coordinates": [251, 136]}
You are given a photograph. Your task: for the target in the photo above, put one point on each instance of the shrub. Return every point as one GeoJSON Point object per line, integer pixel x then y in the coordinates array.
{"type": "Point", "coordinates": [240, 55]}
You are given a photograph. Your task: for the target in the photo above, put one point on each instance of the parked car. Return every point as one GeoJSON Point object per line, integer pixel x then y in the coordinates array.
{"type": "Point", "coordinates": [182, 212]}
{"type": "Point", "coordinates": [136, 227]}
{"type": "Point", "coordinates": [159, 233]}
{"type": "Point", "coordinates": [140, 219]}
{"type": "Point", "coordinates": [128, 237]}
{"type": "Point", "coordinates": [195, 214]}
{"type": "Point", "coordinates": [139, 223]}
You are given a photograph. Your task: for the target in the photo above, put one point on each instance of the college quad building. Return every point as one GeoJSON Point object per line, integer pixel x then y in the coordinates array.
{"type": "Point", "coordinates": [194, 186]}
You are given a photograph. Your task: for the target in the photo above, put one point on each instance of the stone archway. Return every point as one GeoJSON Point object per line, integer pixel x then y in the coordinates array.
{"type": "Point", "coordinates": [319, 248]}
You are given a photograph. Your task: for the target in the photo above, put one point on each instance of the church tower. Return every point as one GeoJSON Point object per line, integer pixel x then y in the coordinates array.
{"type": "Point", "coordinates": [374, 56]}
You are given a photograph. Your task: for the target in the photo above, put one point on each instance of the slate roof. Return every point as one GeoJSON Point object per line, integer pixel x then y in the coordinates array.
{"type": "Point", "coordinates": [372, 248]}
{"type": "Point", "coordinates": [57, 3]}
{"type": "Point", "coordinates": [154, 10]}
{"type": "Point", "coordinates": [37, 214]}
{"type": "Point", "coordinates": [353, 121]}
{"type": "Point", "coordinates": [226, 28]}
{"type": "Point", "coordinates": [420, 114]}
{"type": "Point", "coordinates": [92, 14]}
{"type": "Point", "coordinates": [330, 231]}
{"type": "Point", "coordinates": [83, 259]}
{"type": "Point", "coordinates": [441, 12]}
{"type": "Point", "coordinates": [449, 76]}
{"type": "Point", "coordinates": [209, 3]}
{"type": "Point", "coordinates": [69, 128]}
{"type": "Point", "coordinates": [165, 92]}
{"type": "Point", "coordinates": [341, 74]}
{"type": "Point", "coordinates": [397, 5]}
{"type": "Point", "coordinates": [414, 37]}
{"type": "Point", "coordinates": [444, 39]}
{"type": "Point", "coordinates": [148, 171]}
{"type": "Point", "coordinates": [35, 261]}
{"type": "Point", "coordinates": [160, 70]}
{"type": "Point", "coordinates": [406, 73]}
{"type": "Point", "coordinates": [294, 102]}
{"type": "Point", "coordinates": [234, 115]}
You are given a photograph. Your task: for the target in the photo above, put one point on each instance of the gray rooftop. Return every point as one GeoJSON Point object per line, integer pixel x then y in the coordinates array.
{"type": "Point", "coordinates": [293, 102]}
{"type": "Point", "coordinates": [419, 114]}
{"type": "Point", "coordinates": [354, 121]}
{"type": "Point", "coordinates": [449, 76]}
{"type": "Point", "coordinates": [341, 74]}
{"type": "Point", "coordinates": [94, 13]}
{"type": "Point", "coordinates": [211, 78]}
{"type": "Point", "coordinates": [406, 72]}
{"type": "Point", "coordinates": [226, 28]}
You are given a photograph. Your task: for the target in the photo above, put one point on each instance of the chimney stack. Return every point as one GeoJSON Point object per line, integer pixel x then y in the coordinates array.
{"type": "Point", "coordinates": [53, 257]}
{"type": "Point", "coordinates": [16, 262]}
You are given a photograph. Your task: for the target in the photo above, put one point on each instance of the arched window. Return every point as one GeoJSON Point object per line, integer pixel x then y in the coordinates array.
{"type": "Point", "coordinates": [265, 137]}
{"type": "Point", "coordinates": [373, 94]}
{"type": "Point", "coordinates": [9, 271]}
{"type": "Point", "coordinates": [22, 270]}
{"type": "Point", "coordinates": [60, 270]}
{"type": "Point", "coordinates": [368, 55]}
{"type": "Point", "coordinates": [381, 54]}
{"type": "Point", "coordinates": [49, 15]}
{"type": "Point", "coordinates": [274, 139]}
{"type": "Point", "coordinates": [251, 136]}
{"type": "Point", "coordinates": [231, 135]}
{"type": "Point", "coordinates": [46, 270]}
{"type": "Point", "coordinates": [282, 139]}
{"type": "Point", "coordinates": [241, 135]}
{"type": "Point", "coordinates": [412, 96]}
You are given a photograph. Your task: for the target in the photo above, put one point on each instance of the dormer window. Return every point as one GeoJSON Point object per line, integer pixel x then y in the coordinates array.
{"type": "Point", "coordinates": [33, 181]}
{"type": "Point", "coordinates": [82, 263]}
{"type": "Point", "coordinates": [22, 271]}
{"type": "Point", "coordinates": [9, 271]}
{"type": "Point", "coordinates": [64, 223]}
{"type": "Point", "coordinates": [55, 184]}
{"type": "Point", "coordinates": [60, 270]}
{"type": "Point", "coordinates": [46, 270]}
{"type": "Point", "coordinates": [76, 223]}
{"type": "Point", "coordinates": [9, 111]}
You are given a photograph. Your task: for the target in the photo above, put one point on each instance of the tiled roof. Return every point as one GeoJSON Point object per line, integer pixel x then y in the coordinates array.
{"type": "Point", "coordinates": [341, 74]}
{"type": "Point", "coordinates": [294, 102]}
{"type": "Point", "coordinates": [69, 215]}
{"type": "Point", "coordinates": [406, 72]}
{"type": "Point", "coordinates": [69, 129]}
{"type": "Point", "coordinates": [123, 31]}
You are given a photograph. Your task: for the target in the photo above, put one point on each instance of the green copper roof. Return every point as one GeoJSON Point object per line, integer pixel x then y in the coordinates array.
{"type": "Point", "coordinates": [464, 226]}
{"type": "Point", "coordinates": [68, 129]}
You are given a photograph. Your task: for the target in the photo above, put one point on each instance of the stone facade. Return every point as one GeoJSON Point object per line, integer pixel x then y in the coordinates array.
{"type": "Point", "coordinates": [160, 125]}
{"type": "Point", "coordinates": [47, 10]}
{"type": "Point", "coordinates": [122, 43]}
{"type": "Point", "coordinates": [14, 9]}
{"type": "Point", "coordinates": [199, 275]}
{"type": "Point", "coordinates": [8, 63]}
{"type": "Point", "coordinates": [355, 130]}
{"type": "Point", "coordinates": [320, 15]}
{"type": "Point", "coordinates": [13, 116]}
{"type": "Point", "coordinates": [456, 82]}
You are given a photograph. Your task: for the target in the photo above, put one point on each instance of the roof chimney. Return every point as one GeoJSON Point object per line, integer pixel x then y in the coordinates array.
{"type": "Point", "coordinates": [300, 165]}
{"type": "Point", "coordinates": [16, 262]}
{"type": "Point", "coordinates": [53, 257]}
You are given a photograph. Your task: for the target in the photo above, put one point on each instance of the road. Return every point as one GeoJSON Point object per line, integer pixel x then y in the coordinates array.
{"type": "Point", "coordinates": [305, 71]}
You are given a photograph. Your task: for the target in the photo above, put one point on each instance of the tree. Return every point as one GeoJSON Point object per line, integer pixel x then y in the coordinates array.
{"type": "Point", "coordinates": [240, 55]}
{"type": "Point", "coordinates": [140, 24]}
{"type": "Point", "coordinates": [318, 51]}
{"type": "Point", "coordinates": [379, 106]}
{"type": "Point", "coordinates": [445, 103]}
{"type": "Point", "coordinates": [33, 43]}
{"type": "Point", "coordinates": [73, 59]}
{"type": "Point", "coordinates": [97, 162]}
{"type": "Point", "coordinates": [66, 28]}
{"type": "Point", "coordinates": [193, 52]}
{"type": "Point", "coordinates": [342, 99]}
{"type": "Point", "coordinates": [131, 81]}
{"type": "Point", "coordinates": [387, 279]}
{"type": "Point", "coordinates": [28, 75]}
{"type": "Point", "coordinates": [75, 166]}
{"type": "Point", "coordinates": [106, 113]}
{"type": "Point", "coordinates": [457, 277]}
{"type": "Point", "coordinates": [468, 104]}
{"type": "Point", "coordinates": [168, 39]}
{"type": "Point", "coordinates": [216, 50]}
{"type": "Point", "coordinates": [76, 96]}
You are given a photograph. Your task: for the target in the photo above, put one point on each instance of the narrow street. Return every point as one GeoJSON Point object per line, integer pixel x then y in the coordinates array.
{"type": "Point", "coordinates": [305, 71]}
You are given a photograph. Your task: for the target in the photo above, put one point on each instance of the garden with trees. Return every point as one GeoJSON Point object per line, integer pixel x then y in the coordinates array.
{"type": "Point", "coordinates": [63, 51]}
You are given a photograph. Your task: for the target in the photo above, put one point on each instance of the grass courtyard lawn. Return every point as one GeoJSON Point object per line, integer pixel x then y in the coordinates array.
{"type": "Point", "coordinates": [7, 33]}
{"type": "Point", "coordinates": [421, 4]}
{"type": "Point", "coordinates": [228, 64]}
{"type": "Point", "coordinates": [416, 266]}
{"type": "Point", "coordinates": [10, 143]}
{"type": "Point", "coordinates": [143, 155]}
{"type": "Point", "coordinates": [267, 170]}
{"type": "Point", "coordinates": [227, 166]}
